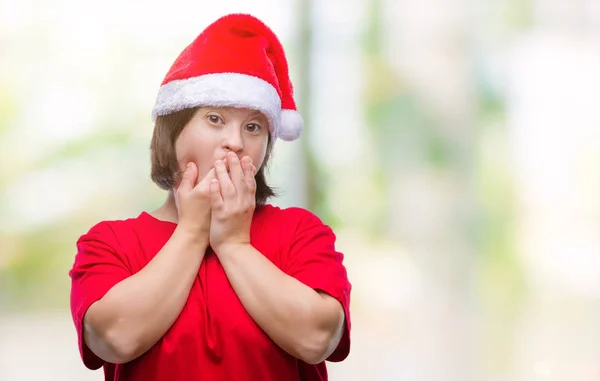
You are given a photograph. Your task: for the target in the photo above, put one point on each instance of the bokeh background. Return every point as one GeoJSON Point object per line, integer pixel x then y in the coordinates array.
{"type": "Point", "coordinates": [453, 145]}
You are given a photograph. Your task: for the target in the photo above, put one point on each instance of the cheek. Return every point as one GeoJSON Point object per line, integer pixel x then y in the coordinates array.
{"type": "Point", "coordinates": [258, 157]}
{"type": "Point", "coordinates": [191, 146]}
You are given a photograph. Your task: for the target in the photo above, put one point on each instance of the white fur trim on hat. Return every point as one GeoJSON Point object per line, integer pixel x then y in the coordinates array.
{"type": "Point", "coordinates": [222, 90]}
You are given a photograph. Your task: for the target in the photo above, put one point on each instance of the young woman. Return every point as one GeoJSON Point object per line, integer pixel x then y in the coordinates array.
{"type": "Point", "coordinates": [216, 284]}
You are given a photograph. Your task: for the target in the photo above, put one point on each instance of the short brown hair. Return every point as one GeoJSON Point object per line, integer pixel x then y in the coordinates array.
{"type": "Point", "coordinates": [165, 171]}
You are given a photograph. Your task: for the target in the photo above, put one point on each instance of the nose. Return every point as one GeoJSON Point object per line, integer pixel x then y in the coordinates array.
{"type": "Point", "coordinates": [233, 139]}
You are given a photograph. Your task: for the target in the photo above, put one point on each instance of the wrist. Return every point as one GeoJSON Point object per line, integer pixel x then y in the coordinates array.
{"type": "Point", "coordinates": [192, 236]}
{"type": "Point", "coordinates": [227, 249]}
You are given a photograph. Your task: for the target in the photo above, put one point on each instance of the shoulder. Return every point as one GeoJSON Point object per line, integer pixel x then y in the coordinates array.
{"type": "Point", "coordinates": [112, 226]}
{"type": "Point", "coordinates": [111, 232]}
{"type": "Point", "coordinates": [291, 217]}
{"type": "Point", "coordinates": [109, 241]}
{"type": "Point", "coordinates": [292, 223]}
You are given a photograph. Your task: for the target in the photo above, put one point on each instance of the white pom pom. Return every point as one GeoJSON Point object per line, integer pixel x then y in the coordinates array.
{"type": "Point", "coordinates": [290, 125]}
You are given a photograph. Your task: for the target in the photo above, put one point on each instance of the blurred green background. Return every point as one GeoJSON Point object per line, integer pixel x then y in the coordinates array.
{"type": "Point", "coordinates": [454, 146]}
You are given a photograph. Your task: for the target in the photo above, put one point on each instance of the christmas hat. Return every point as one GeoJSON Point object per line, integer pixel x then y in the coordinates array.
{"type": "Point", "coordinates": [237, 61]}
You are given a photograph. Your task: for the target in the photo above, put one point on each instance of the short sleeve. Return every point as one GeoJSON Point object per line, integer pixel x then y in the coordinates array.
{"type": "Point", "coordinates": [314, 260]}
{"type": "Point", "coordinates": [98, 266]}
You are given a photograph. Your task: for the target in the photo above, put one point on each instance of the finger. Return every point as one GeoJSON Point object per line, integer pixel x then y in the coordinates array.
{"type": "Point", "coordinates": [216, 200]}
{"type": "Point", "coordinates": [235, 170]}
{"type": "Point", "coordinates": [225, 184]}
{"type": "Point", "coordinates": [246, 164]}
{"type": "Point", "coordinates": [249, 173]}
{"type": "Point", "coordinates": [188, 179]}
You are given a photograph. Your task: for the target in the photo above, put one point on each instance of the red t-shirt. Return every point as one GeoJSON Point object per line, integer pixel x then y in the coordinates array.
{"type": "Point", "coordinates": [213, 338]}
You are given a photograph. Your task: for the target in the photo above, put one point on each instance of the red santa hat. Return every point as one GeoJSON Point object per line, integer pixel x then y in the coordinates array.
{"type": "Point", "coordinates": [237, 61]}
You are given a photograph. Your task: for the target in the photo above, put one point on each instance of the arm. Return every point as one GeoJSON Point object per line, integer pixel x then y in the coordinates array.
{"type": "Point", "coordinates": [137, 312]}
{"type": "Point", "coordinates": [305, 323]}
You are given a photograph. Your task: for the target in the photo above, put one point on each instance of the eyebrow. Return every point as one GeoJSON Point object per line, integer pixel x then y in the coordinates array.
{"type": "Point", "coordinates": [259, 115]}
{"type": "Point", "coordinates": [253, 115]}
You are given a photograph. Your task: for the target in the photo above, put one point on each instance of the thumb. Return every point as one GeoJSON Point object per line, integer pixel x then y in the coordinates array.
{"type": "Point", "coordinates": [188, 179]}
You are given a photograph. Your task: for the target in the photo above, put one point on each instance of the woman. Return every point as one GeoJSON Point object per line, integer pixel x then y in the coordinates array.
{"type": "Point", "coordinates": [216, 284]}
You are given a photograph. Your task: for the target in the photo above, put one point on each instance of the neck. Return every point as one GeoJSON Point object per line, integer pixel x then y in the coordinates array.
{"type": "Point", "coordinates": [168, 210]}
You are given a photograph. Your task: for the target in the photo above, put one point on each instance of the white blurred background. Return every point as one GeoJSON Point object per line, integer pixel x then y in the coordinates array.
{"type": "Point", "coordinates": [454, 146]}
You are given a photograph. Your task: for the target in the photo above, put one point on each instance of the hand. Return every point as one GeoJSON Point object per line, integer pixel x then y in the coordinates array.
{"type": "Point", "coordinates": [192, 200]}
{"type": "Point", "coordinates": [232, 202]}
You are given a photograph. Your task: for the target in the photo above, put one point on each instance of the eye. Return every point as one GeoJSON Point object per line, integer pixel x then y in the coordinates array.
{"type": "Point", "coordinates": [215, 119]}
{"type": "Point", "coordinates": [253, 128]}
